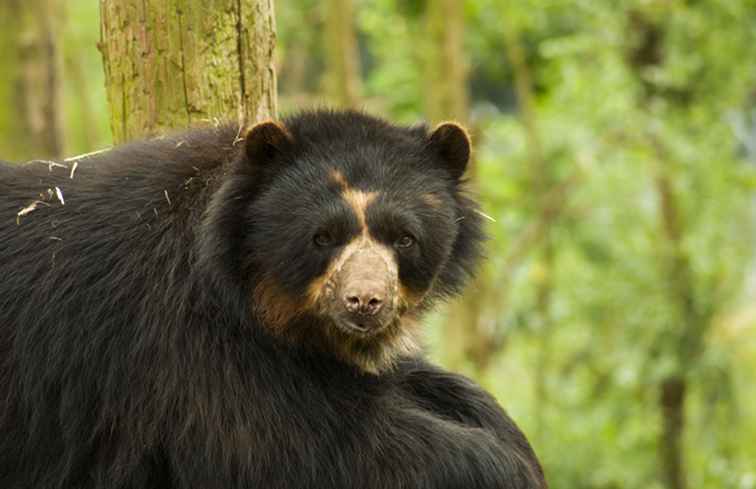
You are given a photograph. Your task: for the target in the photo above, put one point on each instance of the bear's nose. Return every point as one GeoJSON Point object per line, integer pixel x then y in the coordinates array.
{"type": "Point", "coordinates": [364, 299]}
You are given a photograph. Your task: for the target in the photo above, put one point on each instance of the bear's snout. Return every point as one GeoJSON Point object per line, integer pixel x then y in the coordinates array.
{"type": "Point", "coordinates": [366, 284]}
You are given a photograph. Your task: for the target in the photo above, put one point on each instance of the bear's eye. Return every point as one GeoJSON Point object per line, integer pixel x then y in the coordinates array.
{"type": "Point", "coordinates": [404, 242]}
{"type": "Point", "coordinates": [323, 239]}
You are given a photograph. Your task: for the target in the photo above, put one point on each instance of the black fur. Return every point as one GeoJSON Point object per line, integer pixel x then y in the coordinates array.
{"type": "Point", "coordinates": [131, 354]}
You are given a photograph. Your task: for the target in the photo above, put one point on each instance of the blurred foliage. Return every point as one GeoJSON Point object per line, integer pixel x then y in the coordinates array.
{"type": "Point", "coordinates": [614, 329]}
{"type": "Point", "coordinates": [85, 106]}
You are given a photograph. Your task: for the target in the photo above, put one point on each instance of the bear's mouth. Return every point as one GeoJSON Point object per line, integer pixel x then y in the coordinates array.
{"type": "Point", "coordinates": [362, 329]}
{"type": "Point", "coordinates": [373, 350]}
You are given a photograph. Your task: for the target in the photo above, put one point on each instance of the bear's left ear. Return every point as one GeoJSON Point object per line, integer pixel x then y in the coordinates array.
{"type": "Point", "coordinates": [264, 140]}
{"type": "Point", "coordinates": [451, 143]}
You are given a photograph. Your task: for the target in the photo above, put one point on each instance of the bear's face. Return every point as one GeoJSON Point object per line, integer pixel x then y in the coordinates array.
{"type": "Point", "coordinates": [353, 233]}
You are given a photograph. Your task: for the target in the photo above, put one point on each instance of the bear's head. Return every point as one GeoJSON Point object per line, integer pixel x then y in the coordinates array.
{"type": "Point", "coordinates": [341, 229]}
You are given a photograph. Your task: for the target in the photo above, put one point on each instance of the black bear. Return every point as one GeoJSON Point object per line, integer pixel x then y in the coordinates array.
{"type": "Point", "coordinates": [218, 310]}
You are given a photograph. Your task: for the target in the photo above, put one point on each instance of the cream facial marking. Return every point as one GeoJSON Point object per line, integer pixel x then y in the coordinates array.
{"type": "Point", "coordinates": [432, 200]}
{"type": "Point", "coordinates": [361, 245]}
{"type": "Point", "coordinates": [338, 179]}
{"type": "Point", "coordinates": [364, 266]}
{"type": "Point", "coordinates": [358, 200]}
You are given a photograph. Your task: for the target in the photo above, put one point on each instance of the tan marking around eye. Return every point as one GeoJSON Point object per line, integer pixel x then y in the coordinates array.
{"type": "Point", "coordinates": [338, 178]}
{"type": "Point", "coordinates": [432, 200]}
{"type": "Point", "coordinates": [358, 200]}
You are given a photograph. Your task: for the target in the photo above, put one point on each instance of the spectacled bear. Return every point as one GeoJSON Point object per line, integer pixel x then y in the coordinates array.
{"type": "Point", "coordinates": [226, 310]}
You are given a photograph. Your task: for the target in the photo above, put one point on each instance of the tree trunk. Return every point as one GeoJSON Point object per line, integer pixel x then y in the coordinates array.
{"type": "Point", "coordinates": [676, 269]}
{"type": "Point", "coordinates": [446, 69]}
{"type": "Point", "coordinates": [470, 340]}
{"type": "Point", "coordinates": [540, 182]}
{"type": "Point", "coordinates": [647, 51]}
{"type": "Point", "coordinates": [672, 401]}
{"type": "Point", "coordinates": [175, 63]}
{"type": "Point", "coordinates": [31, 85]}
{"type": "Point", "coordinates": [343, 82]}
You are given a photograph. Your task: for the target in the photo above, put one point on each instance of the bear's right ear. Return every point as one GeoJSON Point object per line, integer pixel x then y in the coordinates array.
{"type": "Point", "coordinates": [265, 139]}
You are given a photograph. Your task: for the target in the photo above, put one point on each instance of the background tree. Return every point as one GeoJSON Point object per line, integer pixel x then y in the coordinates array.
{"type": "Point", "coordinates": [446, 63]}
{"type": "Point", "coordinates": [30, 55]}
{"type": "Point", "coordinates": [544, 210]}
{"type": "Point", "coordinates": [86, 112]}
{"type": "Point", "coordinates": [469, 331]}
{"type": "Point", "coordinates": [300, 57]}
{"type": "Point", "coordinates": [169, 64]}
{"type": "Point", "coordinates": [342, 78]}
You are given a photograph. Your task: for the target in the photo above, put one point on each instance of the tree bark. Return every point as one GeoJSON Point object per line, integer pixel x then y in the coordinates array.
{"type": "Point", "coordinates": [176, 63]}
{"type": "Point", "coordinates": [343, 83]}
{"type": "Point", "coordinates": [31, 84]}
